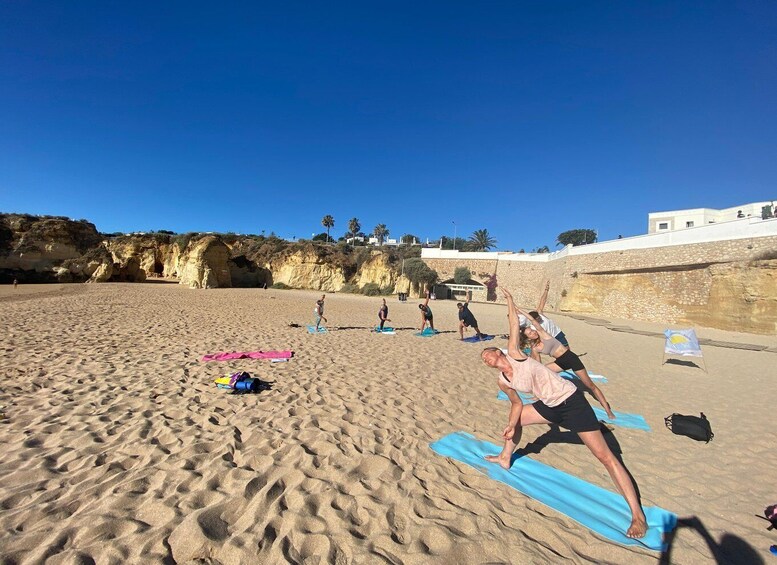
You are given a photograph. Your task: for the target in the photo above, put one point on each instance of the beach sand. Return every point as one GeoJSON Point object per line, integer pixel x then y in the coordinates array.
{"type": "Point", "coordinates": [116, 446]}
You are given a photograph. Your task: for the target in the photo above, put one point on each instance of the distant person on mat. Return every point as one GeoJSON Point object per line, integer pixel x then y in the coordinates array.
{"type": "Point", "coordinates": [383, 314]}
{"type": "Point", "coordinates": [547, 324]}
{"type": "Point", "coordinates": [426, 314]}
{"type": "Point", "coordinates": [560, 403]}
{"type": "Point", "coordinates": [534, 337]}
{"type": "Point", "coordinates": [467, 319]}
{"type": "Point", "coordinates": [319, 311]}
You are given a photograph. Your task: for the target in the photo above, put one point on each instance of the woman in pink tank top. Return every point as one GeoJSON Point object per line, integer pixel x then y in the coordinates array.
{"type": "Point", "coordinates": [557, 404]}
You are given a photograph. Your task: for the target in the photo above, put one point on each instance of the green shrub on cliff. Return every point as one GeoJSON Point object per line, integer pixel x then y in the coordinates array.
{"type": "Point", "coordinates": [184, 239]}
{"type": "Point", "coordinates": [462, 275]}
{"type": "Point", "coordinates": [371, 289]}
{"type": "Point", "coordinates": [419, 272]}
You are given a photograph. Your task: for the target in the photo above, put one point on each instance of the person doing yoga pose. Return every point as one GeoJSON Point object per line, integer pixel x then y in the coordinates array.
{"type": "Point", "coordinates": [560, 403]}
{"type": "Point", "coordinates": [383, 314]}
{"type": "Point", "coordinates": [426, 314]}
{"type": "Point", "coordinates": [547, 324]}
{"type": "Point", "coordinates": [534, 337]}
{"type": "Point", "coordinates": [319, 311]}
{"type": "Point", "coordinates": [466, 319]}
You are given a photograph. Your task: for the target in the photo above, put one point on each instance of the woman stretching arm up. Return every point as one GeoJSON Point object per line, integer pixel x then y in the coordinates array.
{"type": "Point", "coordinates": [560, 403]}
{"type": "Point", "coordinates": [564, 358]}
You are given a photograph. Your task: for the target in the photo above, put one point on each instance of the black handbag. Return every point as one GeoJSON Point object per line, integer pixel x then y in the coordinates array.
{"type": "Point", "coordinates": [694, 427]}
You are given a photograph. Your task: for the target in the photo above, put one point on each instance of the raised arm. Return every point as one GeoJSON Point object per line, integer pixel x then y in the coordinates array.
{"type": "Point", "coordinates": [535, 323]}
{"type": "Point", "coordinates": [513, 347]}
{"type": "Point", "coordinates": [516, 407]}
{"type": "Point", "coordinates": [543, 298]}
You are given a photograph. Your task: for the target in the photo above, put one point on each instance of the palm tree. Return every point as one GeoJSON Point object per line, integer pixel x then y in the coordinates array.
{"type": "Point", "coordinates": [354, 226]}
{"type": "Point", "coordinates": [380, 232]}
{"type": "Point", "coordinates": [480, 240]}
{"type": "Point", "coordinates": [328, 222]}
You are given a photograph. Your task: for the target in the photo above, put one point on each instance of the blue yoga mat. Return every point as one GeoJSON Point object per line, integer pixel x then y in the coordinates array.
{"type": "Point", "coordinates": [598, 509]}
{"type": "Point", "coordinates": [622, 419]}
{"type": "Point", "coordinates": [569, 375]}
{"type": "Point", "coordinates": [385, 330]}
{"type": "Point", "coordinates": [312, 330]}
{"type": "Point", "coordinates": [475, 339]}
{"type": "Point", "coordinates": [428, 332]}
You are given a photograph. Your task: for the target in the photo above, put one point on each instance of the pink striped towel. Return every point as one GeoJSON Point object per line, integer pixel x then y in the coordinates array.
{"type": "Point", "coordinates": [248, 355]}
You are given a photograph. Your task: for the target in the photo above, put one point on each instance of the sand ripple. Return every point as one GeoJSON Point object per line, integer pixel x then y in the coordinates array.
{"type": "Point", "coordinates": [118, 447]}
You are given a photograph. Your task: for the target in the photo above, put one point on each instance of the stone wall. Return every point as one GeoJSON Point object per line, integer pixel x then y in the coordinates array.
{"type": "Point", "coordinates": [711, 284]}
{"type": "Point", "coordinates": [480, 269]}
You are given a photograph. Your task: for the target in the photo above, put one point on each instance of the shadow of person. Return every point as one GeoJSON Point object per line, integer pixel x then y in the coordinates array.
{"type": "Point", "coordinates": [683, 363]}
{"type": "Point", "coordinates": [730, 550]}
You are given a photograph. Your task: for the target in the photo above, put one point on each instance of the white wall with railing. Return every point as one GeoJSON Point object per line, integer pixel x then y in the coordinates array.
{"type": "Point", "coordinates": [725, 231]}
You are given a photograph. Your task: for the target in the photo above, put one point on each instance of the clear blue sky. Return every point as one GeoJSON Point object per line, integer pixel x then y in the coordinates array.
{"type": "Point", "coordinates": [527, 119]}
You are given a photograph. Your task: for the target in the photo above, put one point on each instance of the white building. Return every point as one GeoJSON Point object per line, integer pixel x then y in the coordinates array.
{"type": "Point", "coordinates": [659, 222]}
{"type": "Point", "coordinates": [372, 241]}
{"type": "Point", "coordinates": [389, 241]}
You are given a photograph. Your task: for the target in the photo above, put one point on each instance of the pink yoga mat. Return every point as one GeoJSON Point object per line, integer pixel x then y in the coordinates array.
{"type": "Point", "coordinates": [248, 355]}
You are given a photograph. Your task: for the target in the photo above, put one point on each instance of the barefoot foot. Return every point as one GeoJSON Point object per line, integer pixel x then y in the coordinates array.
{"type": "Point", "coordinates": [638, 528]}
{"type": "Point", "coordinates": [505, 464]}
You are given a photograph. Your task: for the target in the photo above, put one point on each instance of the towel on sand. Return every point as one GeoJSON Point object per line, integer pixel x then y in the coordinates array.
{"type": "Point", "coordinates": [247, 355]}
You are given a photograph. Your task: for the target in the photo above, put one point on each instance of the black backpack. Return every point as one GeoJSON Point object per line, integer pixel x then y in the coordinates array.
{"type": "Point", "coordinates": [692, 426]}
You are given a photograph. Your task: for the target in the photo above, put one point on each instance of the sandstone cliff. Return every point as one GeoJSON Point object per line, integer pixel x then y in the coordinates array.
{"type": "Point", "coordinates": [154, 253]}
{"type": "Point", "coordinates": [204, 264]}
{"type": "Point", "coordinates": [380, 269]}
{"type": "Point", "coordinates": [35, 248]}
{"type": "Point", "coordinates": [308, 267]}
{"type": "Point", "coordinates": [741, 295]}
{"type": "Point", "coordinates": [737, 296]}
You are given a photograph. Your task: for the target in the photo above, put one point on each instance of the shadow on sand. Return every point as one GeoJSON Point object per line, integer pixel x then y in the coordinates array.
{"type": "Point", "coordinates": [730, 549]}
{"type": "Point", "coordinates": [683, 363]}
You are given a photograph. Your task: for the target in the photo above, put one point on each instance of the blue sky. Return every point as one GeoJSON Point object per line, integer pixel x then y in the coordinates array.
{"type": "Point", "coordinates": [527, 119]}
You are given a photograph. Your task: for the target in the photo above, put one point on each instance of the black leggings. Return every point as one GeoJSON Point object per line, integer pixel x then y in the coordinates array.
{"type": "Point", "coordinates": [570, 361]}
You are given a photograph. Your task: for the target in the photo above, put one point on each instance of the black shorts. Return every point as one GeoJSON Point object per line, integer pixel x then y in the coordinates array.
{"type": "Point", "coordinates": [570, 362]}
{"type": "Point", "coordinates": [574, 414]}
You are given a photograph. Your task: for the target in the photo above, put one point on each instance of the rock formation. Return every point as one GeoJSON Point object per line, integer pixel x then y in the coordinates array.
{"type": "Point", "coordinates": [96, 265]}
{"type": "Point", "coordinates": [307, 268]}
{"type": "Point", "coordinates": [247, 274]}
{"type": "Point", "coordinates": [380, 269]}
{"type": "Point", "coordinates": [741, 295]}
{"type": "Point", "coordinates": [34, 249]}
{"type": "Point", "coordinates": [204, 264]}
{"type": "Point", "coordinates": [153, 252]}
{"type": "Point", "coordinates": [737, 296]}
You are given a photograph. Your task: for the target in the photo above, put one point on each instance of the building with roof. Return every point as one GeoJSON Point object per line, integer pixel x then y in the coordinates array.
{"type": "Point", "coordinates": [659, 222]}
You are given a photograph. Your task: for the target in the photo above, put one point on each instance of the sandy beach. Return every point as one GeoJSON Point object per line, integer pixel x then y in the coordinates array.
{"type": "Point", "coordinates": [117, 447]}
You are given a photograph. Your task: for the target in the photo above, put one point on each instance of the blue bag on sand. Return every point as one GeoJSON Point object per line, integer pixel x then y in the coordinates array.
{"type": "Point", "coordinates": [247, 385]}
